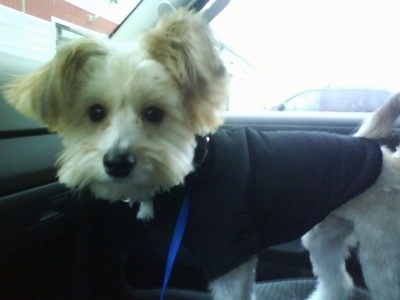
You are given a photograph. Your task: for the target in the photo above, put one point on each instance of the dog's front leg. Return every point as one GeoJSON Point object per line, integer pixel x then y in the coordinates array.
{"type": "Point", "coordinates": [238, 284]}
{"type": "Point", "coordinates": [328, 244]}
{"type": "Point", "coordinates": [146, 211]}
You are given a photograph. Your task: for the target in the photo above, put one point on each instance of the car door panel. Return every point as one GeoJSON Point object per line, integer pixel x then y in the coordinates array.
{"type": "Point", "coordinates": [12, 121]}
{"type": "Point", "coordinates": [47, 232]}
{"type": "Point", "coordinates": [27, 162]}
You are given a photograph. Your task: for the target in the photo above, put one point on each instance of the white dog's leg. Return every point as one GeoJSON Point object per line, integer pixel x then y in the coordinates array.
{"type": "Point", "coordinates": [238, 284]}
{"type": "Point", "coordinates": [328, 243]}
{"type": "Point", "coordinates": [379, 254]}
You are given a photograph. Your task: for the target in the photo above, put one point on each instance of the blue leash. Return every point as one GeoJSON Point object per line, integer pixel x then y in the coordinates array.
{"type": "Point", "coordinates": [176, 242]}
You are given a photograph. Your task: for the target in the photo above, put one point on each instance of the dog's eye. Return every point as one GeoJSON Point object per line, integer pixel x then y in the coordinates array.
{"type": "Point", "coordinates": [154, 114]}
{"type": "Point", "coordinates": [97, 113]}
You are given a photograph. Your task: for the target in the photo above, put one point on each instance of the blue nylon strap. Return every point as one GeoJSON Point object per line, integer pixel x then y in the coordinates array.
{"type": "Point", "coordinates": [176, 242]}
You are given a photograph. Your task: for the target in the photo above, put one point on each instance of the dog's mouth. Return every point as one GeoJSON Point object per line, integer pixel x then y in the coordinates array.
{"type": "Point", "coordinates": [113, 189]}
{"type": "Point", "coordinates": [119, 165]}
{"type": "Point", "coordinates": [119, 181]}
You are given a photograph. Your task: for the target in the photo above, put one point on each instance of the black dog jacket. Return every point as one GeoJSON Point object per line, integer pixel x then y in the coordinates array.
{"type": "Point", "coordinates": [256, 189]}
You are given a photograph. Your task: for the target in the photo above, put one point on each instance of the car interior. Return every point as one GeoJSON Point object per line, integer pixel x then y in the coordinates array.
{"type": "Point", "coordinates": [60, 244]}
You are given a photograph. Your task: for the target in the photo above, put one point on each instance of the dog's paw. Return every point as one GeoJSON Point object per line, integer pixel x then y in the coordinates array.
{"type": "Point", "coordinates": [146, 211]}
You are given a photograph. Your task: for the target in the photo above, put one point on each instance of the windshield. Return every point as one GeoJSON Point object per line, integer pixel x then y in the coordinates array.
{"type": "Point", "coordinates": [277, 48]}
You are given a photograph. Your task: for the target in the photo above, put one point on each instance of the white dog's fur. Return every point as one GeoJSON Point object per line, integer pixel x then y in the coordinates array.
{"type": "Point", "coordinates": [136, 110]}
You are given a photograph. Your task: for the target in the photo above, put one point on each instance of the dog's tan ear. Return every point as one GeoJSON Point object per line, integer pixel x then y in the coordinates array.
{"type": "Point", "coordinates": [44, 94]}
{"type": "Point", "coordinates": [183, 43]}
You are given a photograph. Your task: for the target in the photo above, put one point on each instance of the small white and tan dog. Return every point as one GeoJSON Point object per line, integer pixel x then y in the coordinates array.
{"type": "Point", "coordinates": [129, 114]}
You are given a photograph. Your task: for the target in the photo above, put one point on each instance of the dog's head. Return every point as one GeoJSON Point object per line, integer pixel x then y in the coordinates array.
{"type": "Point", "coordinates": [128, 115]}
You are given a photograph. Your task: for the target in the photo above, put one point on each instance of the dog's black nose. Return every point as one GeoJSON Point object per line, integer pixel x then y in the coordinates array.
{"type": "Point", "coordinates": [118, 164]}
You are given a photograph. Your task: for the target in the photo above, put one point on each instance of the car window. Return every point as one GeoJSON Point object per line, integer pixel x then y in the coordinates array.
{"type": "Point", "coordinates": [341, 100]}
{"type": "Point", "coordinates": [278, 48]}
{"type": "Point", "coordinates": [352, 100]}
{"type": "Point", "coordinates": [32, 29]}
{"type": "Point", "coordinates": [374, 99]}
{"type": "Point", "coordinates": [273, 49]}
{"type": "Point", "coordinates": [308, 101]}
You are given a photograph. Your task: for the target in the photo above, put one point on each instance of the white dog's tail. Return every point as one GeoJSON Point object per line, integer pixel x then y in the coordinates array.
{"type": "Point", "coordinates": [380, 122]}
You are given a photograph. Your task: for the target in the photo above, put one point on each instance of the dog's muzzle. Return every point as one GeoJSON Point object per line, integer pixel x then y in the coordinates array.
{"type": "Point", "coordinates": [118, 164]}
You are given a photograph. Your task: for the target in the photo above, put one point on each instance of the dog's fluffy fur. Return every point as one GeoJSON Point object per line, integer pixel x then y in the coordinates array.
{"type": "Point", "coordinates": [174, 70]}
{"type": "Point", "coordinates": [142, 105]}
